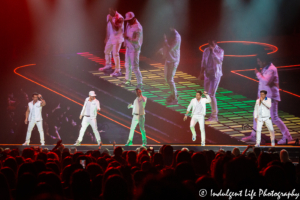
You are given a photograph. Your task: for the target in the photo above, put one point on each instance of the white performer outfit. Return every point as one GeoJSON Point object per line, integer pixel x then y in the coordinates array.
{"type": "Point", "coordinates": [89, 113]}
{"type": "Point", "coordinates": [35, 118]}
{"type": "Point", "coordinates": [262, 114]}
{"type": "Point", "coordinates": [198, 114]}
{"type": "Point", "coordinates": [133, 48]}
{"type": "Point", "coordinates": [171, 52]}
{"type": "Point", "coordinates": [269, 81]}
{"type": "Point", "coordinates": [113, 44]}
{"type": "Point", "coordinates": [138, 112]}
{"type": "Point", "coordinates": [212, 66]}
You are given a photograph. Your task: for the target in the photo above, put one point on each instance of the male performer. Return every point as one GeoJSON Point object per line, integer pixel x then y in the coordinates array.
{"type": "Point", "coordinates": [89, 114]}
{"type": "Point", "coordinates": [34, 116]}
{"type": "Point", "coordinates": [269, 81]}
{"type": "Point", "coordinates": [138, 112]}
{"type": "Point", "coordinates": [113, 40]}
{"type": "Point", "coordinates": [171, 53]}
{"type": "Point", "coordinates": [198, 113]}
{"type": "Point", "coordinates": [262, 115]}
{"type": "Point", "coordinates": [133, 41]}
{"type": "Point", "coordinates": [211, 72]}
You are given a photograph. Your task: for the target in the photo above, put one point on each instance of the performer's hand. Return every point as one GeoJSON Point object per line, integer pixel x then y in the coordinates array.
{"type": "Point", "coordinates": [185, 118]}
{"type": "Point", "coordinates": [256, 71]}
{"type": "Point", "coordinates": [129, 105]}
{"type": "Point", "coordinates": [26, 121]}
{"type": "Point", "coordinates": [80, 116]}
{"type": "Point", "coordinates": [261, 98]}
{"type": "Point", "coordinates": [205, 93]}
{"type": "Point", "coordinates": [39, 96]}
{"type": "Point", "coordinates": [256, 120]}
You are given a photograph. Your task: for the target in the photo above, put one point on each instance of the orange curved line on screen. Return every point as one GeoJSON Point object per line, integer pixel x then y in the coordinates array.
{"type": "Point", "coordinates": [274, 48]}
{"type": "Point", "coordinates": [243, 70]}
{"type": "Point", "coordinates": [15, 71]}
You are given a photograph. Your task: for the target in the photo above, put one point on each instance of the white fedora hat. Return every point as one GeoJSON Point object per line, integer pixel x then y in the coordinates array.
{"type": "Point", "coordinates": [129, 16]}
{"type": "Point", "coordinates": [92, 93]}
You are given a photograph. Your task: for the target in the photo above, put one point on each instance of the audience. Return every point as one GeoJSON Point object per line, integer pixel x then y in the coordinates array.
{"type": "Point", "coordinates": [141, 174]}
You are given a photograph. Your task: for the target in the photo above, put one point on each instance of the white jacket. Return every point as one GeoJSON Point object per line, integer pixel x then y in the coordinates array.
{"type": "Point", "coordinates": [203, 101]}
{"type": "Point", "coordinates": [218, 55]}
{"type": "Point", "coordinates": [38, 110]}
{"type": "Point", "coordinates": [266, 105]}
{"type": "Point", "coordinates": [95, 105]}
{"type": "Point", "coordinates": [135, 37]}
{"type": "Point", "coordinates": [135, 106]}
{"type": "Point", "coordinates": [269, 81]}
{"type": "Point", "coordinates": [115, 36]}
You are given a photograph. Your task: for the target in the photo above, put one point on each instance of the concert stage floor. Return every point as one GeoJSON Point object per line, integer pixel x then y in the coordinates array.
{"type": "Point", "coordinates": [76, 75]}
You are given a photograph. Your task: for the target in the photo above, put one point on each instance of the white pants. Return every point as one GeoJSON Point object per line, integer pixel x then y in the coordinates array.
{"type": "Point", "coordinates": [137, 119]}
{"type": "Point", "coordinates": [268, 122]}
{"type": "Point", "coordinates": [39, 125]}
{"type": "Point", "coordinates": [211, 84]}
{"type": "Point", "coordinates": [132, 64]}
{"type": "Point", "coordinates": [275, 119]}
{"type": "Point", "coordinates": [115, 48]}
{"type": "Point", "coordinates": [194, 120]}
{"type": "Point", "coordinates": [170, 71]}
{"type": "Point", "coordinates": [86, 121]}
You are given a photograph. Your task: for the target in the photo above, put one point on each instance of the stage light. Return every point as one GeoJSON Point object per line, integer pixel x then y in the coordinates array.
{"type": "Point", "coordinates": [274, 48]}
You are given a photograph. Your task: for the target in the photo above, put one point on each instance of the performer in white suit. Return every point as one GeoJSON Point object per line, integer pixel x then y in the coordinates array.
{"type": "Point", "coordinates": [33, 115]}
{"type": "Point", "coordinates": [211, 72]}
{"type": "Point", "coordinates": [133, 41]}
{"type": "Point", "coordinates": [198, 113]}
{"type": "Point", "coordinates": [262, 115]}
{"type": "Point", "coordinates": [269, 81]}
{"type": "Point", "coordinates": [89, 114]}
{"type": "Point", "coordinates": [113, 40]}
{"type": "Point", "coordinates": [138, 112]}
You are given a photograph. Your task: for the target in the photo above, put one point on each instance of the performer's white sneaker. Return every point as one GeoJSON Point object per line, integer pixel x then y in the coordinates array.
{"type": "Point", "coordinates": [127, 83]}
{"type": "Point", "coordinates": [116, 74]}
{"type": "Point", "coordinates": [284, 138]}
{"type": "Point", "coordinates": [106, 67]}
{"type": "Point", "coordinates": [257, 145]}
{"type": "Point", "coordinates": [77, 143]}
{"type": "Point", "coordinates": [194, 138]}
{"type": "Point", "coordinates": [212, 119]}
{"type": "Point", "coordinates": [273, 144]}
{"type": "Point", "coordinates": [202, 143]}
{"type": "Point", "coordinates": [25, 143]}
{"type": "Point", "coordinates": [43, 144]}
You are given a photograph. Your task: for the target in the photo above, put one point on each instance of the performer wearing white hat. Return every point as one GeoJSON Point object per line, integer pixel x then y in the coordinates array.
{"type": "Point", "coordinates": [133, 41]}
{"type": "Point", "coordinates": [113, 40]}
{"type": "Point", "coordinates": [34, 117]}
{"type": "Point", "coordinates": [198, 113]}
{"type": "Point", "coordinates": [89, 114]}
